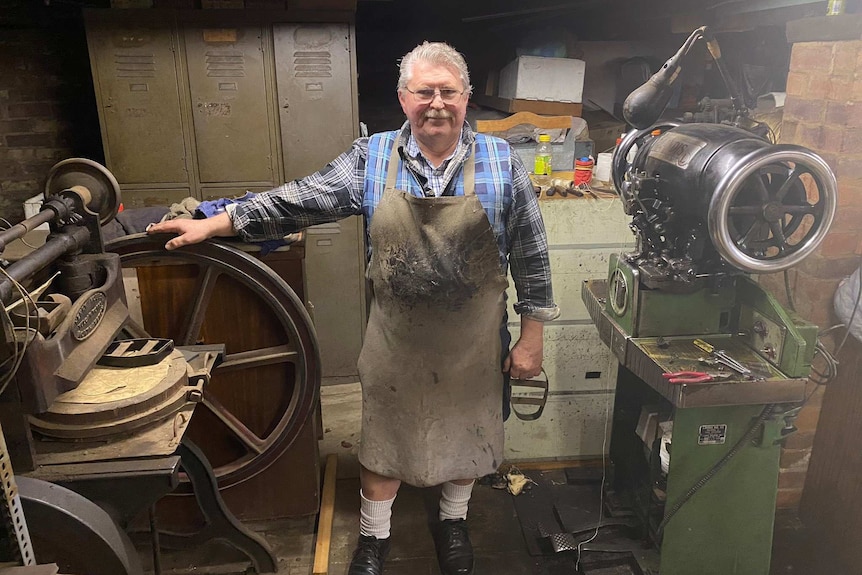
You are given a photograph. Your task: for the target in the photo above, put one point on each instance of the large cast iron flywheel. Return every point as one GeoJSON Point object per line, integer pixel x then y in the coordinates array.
{"type": "Point", "coordinates": [260, 396]}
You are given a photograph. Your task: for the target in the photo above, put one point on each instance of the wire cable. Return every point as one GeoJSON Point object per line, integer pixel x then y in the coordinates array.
{"type": "Point", "coordinates": [17, 352]}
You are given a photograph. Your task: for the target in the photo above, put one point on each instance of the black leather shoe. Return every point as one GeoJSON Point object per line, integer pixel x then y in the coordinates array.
{"type": "Point", "coordinates": [454, 550]}
{"type": "Point", "coordinates": [369, 556]}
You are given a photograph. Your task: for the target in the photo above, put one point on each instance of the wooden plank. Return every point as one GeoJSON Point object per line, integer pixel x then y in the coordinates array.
{"type": "Point", "coordinates": [535, 106]}
{"type": "Point", "coordinates": [544, 122]}
{"type": "Point", "coordinates": [324, 520]}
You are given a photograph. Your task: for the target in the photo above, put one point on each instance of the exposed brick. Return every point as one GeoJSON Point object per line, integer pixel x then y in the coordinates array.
{"type": "Point", "coordinates": [839, 244]}
{"type": "Point", "coordinates": [48, 125]}
{"type": "Point", "coordinates": [11, 170]}
{"type": "Point", "coordinates": [22, 154]}
{"type": "Point", "coordinates": [23, 125]}
{"type": "Point", "coordinates": [57, 155]}
{"type": "Point", "coordinates": [805, 110]}
{"type": "Point", "coordinates": [788, 479]}
{"type": "Point", "coordinates": [815, 392]}
{"type": "Point", "coordinates": [833, 139]}
{"type": "Point", "coordinates": [30, 110]}
{"type": "Point", "coordinates": [797, 85]}
{"type": "Point", "coordinates": [844, 57]}
{"type": "Point", "coordinates": [788, 131]}
{"type": "Point", "coordinates": [796, 459]}
{"type": "Point", "coordinates": [852, 141]}
{"type": "Point", "coordinates": [818, 86]}
{"type": "Point", "coordinates": [839, 88]}
{"type": "Point", "coordinates": [847, 114]}
{"type": "Point", "coordinates": [817, 266]}
{"type": "Point", "coordinates": [788, 498]}
{"type": "Point", "coordinates": [847, 219]}
{"type": "Point", "coordinates": [16, 186]}
{"type": "Point", "coordinates": [44, 140]}
{"type": "Point", "coordinates": [810, 136]}
{"type": "Point", "coordinates": [809, 416]}
{"type": "Point", "coordinates": [811, 56]}
{"type": "Point", "coordinates": [38, 168]}
{"type": "Point", "coordinates": [849, 168]}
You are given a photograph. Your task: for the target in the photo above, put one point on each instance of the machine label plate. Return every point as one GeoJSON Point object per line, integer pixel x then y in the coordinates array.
{"type": "Point", "coordinates": [677, 149]}
{"type": "Point", "coordinates": [712, 434]}
{"type": "Point", "coordinates": [89, 316]}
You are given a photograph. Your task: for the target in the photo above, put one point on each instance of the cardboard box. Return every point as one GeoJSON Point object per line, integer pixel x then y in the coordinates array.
{"type": "Point", "coordinates": [546, 79]}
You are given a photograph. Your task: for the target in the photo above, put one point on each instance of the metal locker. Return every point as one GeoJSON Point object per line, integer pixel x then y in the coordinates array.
{"type": "Point", "coordinates": [138, 95]}
{"type": "Point", "coordinates": [234, 126]}
{"type": "Point", "coordinates": [317, 103]}
{"type": "Point", "coordinates": [316, 95]}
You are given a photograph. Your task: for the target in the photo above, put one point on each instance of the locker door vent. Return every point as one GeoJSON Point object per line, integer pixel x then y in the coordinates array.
{"type": "Point", "coordinates": [135, 65]}
{"type": "Point", "coordinates": [225, 64]}
{"type": "Point", "coordinates": [312, 65]}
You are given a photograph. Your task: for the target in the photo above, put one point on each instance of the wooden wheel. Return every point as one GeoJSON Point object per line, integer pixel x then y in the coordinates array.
{"type": "Point", "coordinates": [212, 293]}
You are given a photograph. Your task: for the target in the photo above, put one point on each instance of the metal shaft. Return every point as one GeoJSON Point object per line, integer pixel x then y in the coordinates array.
{"type": "Point", "coordinates": [57, 246]}
{"type": "Point", "coordinates": [22, 229]}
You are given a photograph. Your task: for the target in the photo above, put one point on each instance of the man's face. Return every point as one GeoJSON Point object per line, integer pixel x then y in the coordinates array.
{"type": "Point", "coordinates": [435, 119]}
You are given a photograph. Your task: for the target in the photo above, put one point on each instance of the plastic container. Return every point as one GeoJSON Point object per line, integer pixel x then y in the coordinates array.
{"type": "Point", "coordinates": [543, 163]}
{"type": "Point", "coordinates": [583, 171]}
{"type": "Point", "coordinates": [602, 172]}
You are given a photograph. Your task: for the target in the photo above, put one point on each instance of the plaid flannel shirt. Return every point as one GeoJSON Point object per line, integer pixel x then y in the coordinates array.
{"type": "Point", "coordinates": [337, 190]}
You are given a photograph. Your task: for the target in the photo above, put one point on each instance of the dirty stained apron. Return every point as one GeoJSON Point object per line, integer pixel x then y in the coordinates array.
{"type": "Point", "coordinates": [430, 363]}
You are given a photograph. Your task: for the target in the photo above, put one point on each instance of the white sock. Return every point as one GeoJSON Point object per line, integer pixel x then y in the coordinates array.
{"type": "Point", "coordinates": [374, 517]}
{"type": "Point", "coordinates": [454, 500]}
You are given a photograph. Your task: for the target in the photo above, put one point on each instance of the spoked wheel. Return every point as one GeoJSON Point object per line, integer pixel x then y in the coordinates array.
{"type": "Point", "coordinates": [212, 293]}
{"type": "Point", "coordinates": [772, 209]}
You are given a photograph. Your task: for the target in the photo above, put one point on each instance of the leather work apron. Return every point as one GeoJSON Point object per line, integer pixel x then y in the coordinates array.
{"type": "Point", "coordinates": [430, 364]}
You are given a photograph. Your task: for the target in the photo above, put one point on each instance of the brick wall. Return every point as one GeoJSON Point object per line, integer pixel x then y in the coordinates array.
{"type": "Point", "coordinates": [45, 90]}
{"type": "Point", "coordinates": [823, 112]}
{"type": "Point", "coordinates": [33, 133]}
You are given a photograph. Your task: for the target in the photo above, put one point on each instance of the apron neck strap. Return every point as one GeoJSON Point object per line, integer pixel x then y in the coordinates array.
{"type": "Point", "coordinates": [469, 168]}
{"type": "Point", "coordinates": [394, 162]}
{"type": "Point", "coordinates": [470, 173]}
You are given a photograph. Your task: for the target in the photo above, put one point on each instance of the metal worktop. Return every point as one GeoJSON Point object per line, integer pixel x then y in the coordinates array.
{"type": "Point", "coordinates": [649, 357]}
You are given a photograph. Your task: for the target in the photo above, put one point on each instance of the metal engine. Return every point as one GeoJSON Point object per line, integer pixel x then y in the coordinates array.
{"type": "Point", "coordinates": [710, 200]}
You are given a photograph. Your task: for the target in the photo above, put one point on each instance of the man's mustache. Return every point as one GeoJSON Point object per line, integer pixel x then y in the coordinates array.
{"type": "Point", "coordinates": [434, 114]}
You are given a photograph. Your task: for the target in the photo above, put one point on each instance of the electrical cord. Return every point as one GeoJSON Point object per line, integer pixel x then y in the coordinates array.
{"type": "Point", "coordinates": [748, 436]}
{"type": "Point", "coordinates": [23, 241]}
{"type": "Point", "coordinates": [604, 469]}
{"type": "Point", "coordinates": [831, 363]}
{"type": "Point", "coordinates": [18, 352]}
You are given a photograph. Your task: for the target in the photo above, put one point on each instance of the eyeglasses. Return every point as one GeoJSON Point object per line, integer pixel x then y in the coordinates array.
{"type": "Point", "coordinates": [426, 95]}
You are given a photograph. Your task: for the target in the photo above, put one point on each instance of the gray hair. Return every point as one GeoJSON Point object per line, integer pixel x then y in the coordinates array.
{"type": "Point", "coordinates": [438, 53]}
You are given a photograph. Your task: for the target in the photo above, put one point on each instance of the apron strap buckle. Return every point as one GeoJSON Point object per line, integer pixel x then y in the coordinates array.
{"type": "Point", "coordinates": [529, 397]}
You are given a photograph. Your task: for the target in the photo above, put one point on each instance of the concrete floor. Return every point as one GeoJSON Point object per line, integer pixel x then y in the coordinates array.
{"type": "Point", "coordinates": [495, 530]}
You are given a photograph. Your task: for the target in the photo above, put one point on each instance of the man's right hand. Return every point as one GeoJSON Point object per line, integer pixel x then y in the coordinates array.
{"type": "Point", "coordinates": [193, 231]}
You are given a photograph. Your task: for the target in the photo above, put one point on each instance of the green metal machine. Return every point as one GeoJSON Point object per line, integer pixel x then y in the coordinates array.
{"type": "Point", "coordinates": [696, 458]}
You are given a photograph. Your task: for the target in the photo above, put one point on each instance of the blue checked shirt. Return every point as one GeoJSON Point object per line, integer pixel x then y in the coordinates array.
{"type": "Point", "coordinates": [336, 192]}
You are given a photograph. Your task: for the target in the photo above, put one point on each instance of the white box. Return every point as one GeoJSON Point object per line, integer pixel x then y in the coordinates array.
{"type": "Point", "coordinates": [546, 79]}
{"type": "Point", "coordinates": [33, 206]}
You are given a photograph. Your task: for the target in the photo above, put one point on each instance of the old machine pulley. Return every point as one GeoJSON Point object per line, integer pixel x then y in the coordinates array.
{"type": "Point", "coordinates": [95, 410]}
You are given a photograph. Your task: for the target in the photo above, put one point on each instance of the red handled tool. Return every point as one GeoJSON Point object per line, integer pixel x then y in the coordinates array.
{"type": "Point", "coordinates": [693, 376]}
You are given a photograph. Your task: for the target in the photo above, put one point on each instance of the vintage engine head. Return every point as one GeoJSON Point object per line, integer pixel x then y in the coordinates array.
{"type": "Point", "coordinates": [710, 200]}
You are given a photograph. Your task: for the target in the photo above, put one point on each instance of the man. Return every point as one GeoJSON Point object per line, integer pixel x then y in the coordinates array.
{"type": "Point", "coordinates": [446, 212]}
